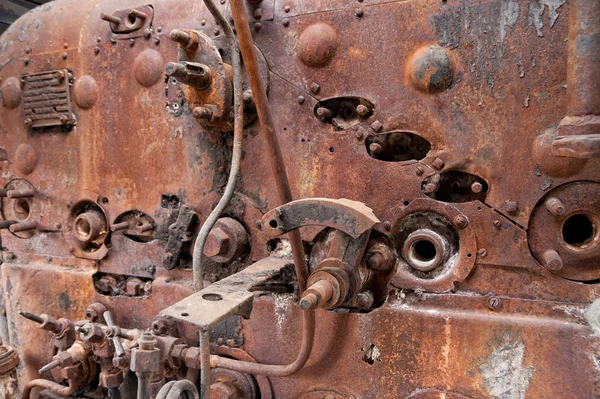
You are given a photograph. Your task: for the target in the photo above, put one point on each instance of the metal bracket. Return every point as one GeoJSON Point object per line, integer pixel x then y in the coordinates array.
{"type": "Point", "coordinates": [228, 297]}
{"type": "Point", "coordinates": [178, 236]}
{"type": "Point", "coordinates": [352, 217]}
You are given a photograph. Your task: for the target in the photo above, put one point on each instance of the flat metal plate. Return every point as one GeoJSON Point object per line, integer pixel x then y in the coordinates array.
{"type": "Point", "coordinates": [228, 297]}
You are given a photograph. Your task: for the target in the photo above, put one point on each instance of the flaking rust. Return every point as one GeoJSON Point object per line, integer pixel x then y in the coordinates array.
{"type": "Point", "coordinates": [412, 210]}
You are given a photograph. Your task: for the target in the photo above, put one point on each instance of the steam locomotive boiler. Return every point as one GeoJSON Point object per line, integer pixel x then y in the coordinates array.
{"type": "Point", "coordinates": [295, 199]}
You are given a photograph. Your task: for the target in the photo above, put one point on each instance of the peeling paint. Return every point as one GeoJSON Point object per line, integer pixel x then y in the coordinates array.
{"type": "Point", "coordinates": [536, 10]}
{"type": "Point", "coordinates": [509, 14]}
{"type": "Point", "coordinates": [504, 374]}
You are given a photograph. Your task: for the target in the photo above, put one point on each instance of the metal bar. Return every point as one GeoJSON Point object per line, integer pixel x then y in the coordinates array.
{"type": "Point", "coordinates": [238, 11]}
{"type": "Point", "coordinates": [205, 364]}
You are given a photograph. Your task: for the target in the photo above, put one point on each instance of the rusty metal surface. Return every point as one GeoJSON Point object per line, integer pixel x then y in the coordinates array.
{"type": "Point", "coordinates": [484, 85]}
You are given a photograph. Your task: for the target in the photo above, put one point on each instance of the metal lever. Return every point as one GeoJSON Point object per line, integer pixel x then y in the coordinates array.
{"type": "Point", "coordinates": [115, 339]}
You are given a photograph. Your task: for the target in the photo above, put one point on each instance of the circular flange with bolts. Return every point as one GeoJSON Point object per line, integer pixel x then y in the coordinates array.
{"type": "Point", "coordinates": [564, 231]}
{"type": "Point", "coordinates": [21, 209]}
{"type": "Point", "coordinates": [87, 227]}
{"type": "Point", "coordinates": [437, 244]}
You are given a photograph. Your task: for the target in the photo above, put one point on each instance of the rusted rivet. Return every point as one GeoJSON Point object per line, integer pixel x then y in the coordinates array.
{"type": "Point", "coordinates": [64, 56]}
{"type": "Point", "coordinates": [510, 206]}
{"type": "Point", "coordinates": [26, 60]}
{"type": "Point", "coordinates": [286, 22]}
{"type": "Point", "coordinates": [419, 170]}
{"type": "Point", "coordinates": [131, 42]}
{"type": "Point", "coordinates": [286, 9]}
{"type": "Point", "coordinates": [96, 50]}
{"type": "Point", "coordinates": [157, 40]}
{"type": "Point", "coordinates": [482, 252]}
{"type": "Point", "coordinates": [257, 27]}
{"type": "Point", "coordinates": [317, 45]}
{"type": "Point", "coordinates": [476, 187]}
{"type": "Point", "coordinates": [359, 135]}
{"type": "Point", "coordinates": [431, 58]}
{"type": "Point", "coordinates": [362, 110]}
{"type": "Point", "coordinates": [497, 223]}
{"type": "Point", "coordinates": [69, 204]}
{"type": "Point", "coordinates": [460, 221]}
{"type": "Point", "coordinates": [377, 126]}
{"type": "Point", "coordinates": [257, 13]}
{"type": "Point", "coordinates": [203, 22]}
{"type": "Point", "coordinates": [555, 206]}
{"type": "Point", "coordinates": [315, 88]}
{"type": "Point", "coordinates": [66, 45]}
{"type": "Point", "coordinates": [147, 33]}
{"type": "Point", "coordinates": [359, 13]}
{"type": "Point", "coordinates": [387, 225]}
{"type": "Point", "coordinates": [301, 99]}
{"type": "Point", "coordinates": [159, 29]}
{"type": "Point", "coordinates": [494, 303]}
{"type": "Point", "coordinates": [438, 164]}
{"type": "Point", "coordinates": [216, 31]}
{"type": "Point", "coordinates": [552, 260]}
{"type": "Point", "coordinates": [113, 41]}
{"type": "Point", "coordinates": [98, 39]}
{"type": "Point", "coordinates": [27, 49]}
{"type": "Point", "coordinates": [202, 113]}
{"type": "Point", "coordinates": [58, 225]}
{"type": "Point", "coordinates": [248, 98]}
{"type": "Point", "coordinates": [375, 148]}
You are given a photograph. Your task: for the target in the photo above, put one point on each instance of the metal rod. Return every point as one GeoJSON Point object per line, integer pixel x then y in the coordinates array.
{"type": "Point", "coordinates": [205, 364]}
{"type": "Point", "coordinates": [308, 338]}
{"type": "Point", "coordinates": [32, 317]}
{"type": "Point", "coordinates": [53, 364]}
{"type": "Point", "coordinates": [24, 226]}
{"type": "Point", "coordinates": [240, 18]}
{"type": "Point", "coordinates": [236, 157]}
{"type": "Point", "coordinates": [143, 391]}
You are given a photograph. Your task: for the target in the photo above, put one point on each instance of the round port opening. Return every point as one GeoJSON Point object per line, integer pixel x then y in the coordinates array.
{"type": "Point", "coordinates": [21, 208]}
{"type": "Point", "coordinates": [424, 251]}
{"type": "Point", "coordinates": [578, 230]}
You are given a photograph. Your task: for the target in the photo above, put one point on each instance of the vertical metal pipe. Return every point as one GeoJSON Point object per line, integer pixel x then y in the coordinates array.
{"type": "Point", "coordinates": [583, 62]}
{"type": "Point", "coordinates": [240, 18]}
{"type": "Point", "coordinates": [205, 364]}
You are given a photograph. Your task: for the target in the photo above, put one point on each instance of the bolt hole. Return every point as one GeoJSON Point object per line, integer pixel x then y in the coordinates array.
{"type": "Point", "coordinates": [185, 314]}
{"type": "Point", "coordinates": [578, 230]}
{"type": "Point", "coordinates": [469, 255]}
{"type": "Point", "coordinates": [406, 203]}
{"type": "Point", "coordinates": [332, 149]}
{"type": "Point", "coordinates": [273, 223]}
{"type": "Point", "coordinates": [212, 297]}
{"type": "Point", "coordinates": [131, 19]}
{"type": "Point", "coordinates": [21, 208]}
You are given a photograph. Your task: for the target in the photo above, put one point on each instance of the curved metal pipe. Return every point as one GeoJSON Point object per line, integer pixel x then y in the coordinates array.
{"type": "Point", "coordinates": [236, 64]}
{"type": "Point", "coordinates": [240, 18]}
{"type": "Point", "coordinates": [177, 389]}
{"type": "Point", "coordinates": [272, 370]}
{"type": "Point", "coordinates": [47, 384]}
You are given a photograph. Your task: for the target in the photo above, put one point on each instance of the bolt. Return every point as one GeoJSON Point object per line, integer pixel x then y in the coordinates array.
{"type": "Point", "coordinates": [510, 206]}
{"type": "Point", "coordinates": [27, 60]}
{"type": "Point", "coordinates": [157, 40]}
{"type": "Point", "coordinates": [359, 13]}
{"type": "Point", "coordinates": [216, 31]}
{"type": "Point", "coordinates": [324, 113]}
{"type": "Point", "coordinates": [359, 135]}
{"type": "Point", "coordinates": [552, 260]}
{"type": "Point", "coordinates": [286, 22]}
{"type": "Point", "coordinates": [431, 188]}
{"type": "Point", "coordinates": [203, 22]}
{"type": "Point", "coordinates": [217, 243]}
{"type": "Point", "coordinates": [377, 126]}
{"type": "Point", "coordinates": [64, 56]}
{"type": "Point", "coordinates": [286, 9]}
{"type": "Point", "coordinates": [497, 223]}
{"type": "Point", "coordinates": [482, 252]}
{"type": "Point", "coordinates": [301, 100]}
{"type": "Point", "coordinates": [555, 206]}
{"type": "Point", "coordinates": [494, 303]}
{"type": "Point", "coordinates": [364, 300]}
{"type": "Point", "coordinates": [438, 164]}
{"type": "Point", "coordinates": [131, 42]}
{"type": "Point", "coordinates": [362, 110]}
{"type": "Point", "coordinates": [113, 41]}
{"type": "Point", "coordinates": [257, 27]}
{"type": "Point", "coordinates": [460, 221]}
{"type": "Point", "coordinates": [315, 88]}
{"type": "Point", "coordinates": [257, 13]}
{"type": "Point", "coordinates": [380, 257]}
{"type": "Point", "coordinates": [309, 301]}
{"type": "Point", "coordinates": [96, 50]}
{"type": "Point", "coordinates": [375, 148]}
{"type": "Point", "coordinates": [419, 170]}
{"type": "Point", "coordinates": [135, 286]}
{"type": "Point", "coordinates": [387, 225]}
{"type": "Point", "coordinates": [202, 113]}
{"type": "Point", "coordinates": [66, 45]}
{"type": "Point", "coordinates": [159, 29]}
{"type": "Point", "coordinates": [147, 33]}
{"type": "Point", "coordinates": [476, 187]}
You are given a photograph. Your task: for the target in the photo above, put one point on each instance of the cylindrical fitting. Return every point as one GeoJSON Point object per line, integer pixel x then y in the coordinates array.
{"type": "Point", "coordinates": [552, 260]}
{"type": "Point", "coordinates": [88, 226]}
{"type": "Point", "coordinates": [425, 250]}
{"type": "Point", "coordinates": [324, 112]}
{"type": "Point", "coordinates": [192, 74]}
{"type": "Point", "coordinates": [23, 226]}
{"type": "Point", "coordinates": [26, 193]}
{"type": "Point", "coordinates": [316, 294]}
{"type": "Point", "coordinates": [202, 113]}
{"type": "Point", "coordinates": [555, 206]}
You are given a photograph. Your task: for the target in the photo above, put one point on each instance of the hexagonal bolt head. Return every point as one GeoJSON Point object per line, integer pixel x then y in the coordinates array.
{"type": "Point", "coordinates": [135, 287]}
{"type": "Point", "coordinates": [223, 390]}
{"type": "Point", "coordinates": [145, 361]}
{"type": "Point", "coordinates": [217, 243]}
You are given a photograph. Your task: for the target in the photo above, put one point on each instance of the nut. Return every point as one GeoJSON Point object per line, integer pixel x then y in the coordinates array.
{"type": "Point", "coordinates": [380, 257]}
{"type": "Point", "coordinates": [112, 380]}
{"type": "Point", "coordinates": [223, 390]}
{"type": "Point", "coordinates": [135, 287]}
{"type": "Point", "coordinates": [217, 243]}
{"type": "Point", "coordinates": [145, 361]}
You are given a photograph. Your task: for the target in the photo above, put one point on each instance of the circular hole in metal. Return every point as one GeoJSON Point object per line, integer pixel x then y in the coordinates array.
{"type": "Point", "coordinates": [185, 314]}
{"type": "Point", "coordinates": [578, 230]}
{"type": "Point", "coordinates": [273, 223]}
{"type": "Point", "coordinates": [212, 297]}
{"type": "Point", "coordinates": [131, 20]}
{"type": "Point", "coordinates": [332, 149]}
{"type": "Point", "coordinates": [21, 208]}
{"type": "Point", "coordinates": [424, 250]}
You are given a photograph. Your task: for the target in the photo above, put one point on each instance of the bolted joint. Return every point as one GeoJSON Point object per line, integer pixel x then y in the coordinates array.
{"type": "Point", "coordinates": [328, 288]}
{"type": "Point", "coordinates": [552, 260]}
{"type": "Point", "coordinates": [92, 332]}
{"type": "Point", "coordinates": [223, 390]}
{"type": "Point", "coordinates": [364, 300]}
{"type": "Point", "coordinates": [217, 243]}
